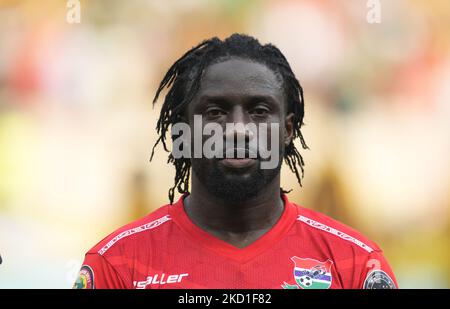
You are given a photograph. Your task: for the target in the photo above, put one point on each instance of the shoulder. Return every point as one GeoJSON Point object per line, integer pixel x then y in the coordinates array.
{"type": "Point", "coordinates": [333, 231]}
{"type": "Point", "coordinates": [133, 232]}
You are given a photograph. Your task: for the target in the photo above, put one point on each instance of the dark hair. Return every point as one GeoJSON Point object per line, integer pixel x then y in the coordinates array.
{"type": "Point", "coordinates": [184, 76]}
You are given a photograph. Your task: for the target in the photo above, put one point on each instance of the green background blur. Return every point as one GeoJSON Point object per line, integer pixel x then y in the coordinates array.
{"type": "Point", "coordinates": [77, 125]}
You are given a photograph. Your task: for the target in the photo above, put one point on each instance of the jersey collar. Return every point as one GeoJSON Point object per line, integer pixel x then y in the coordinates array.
{"type": "Point", "coordinates": [203, 238]}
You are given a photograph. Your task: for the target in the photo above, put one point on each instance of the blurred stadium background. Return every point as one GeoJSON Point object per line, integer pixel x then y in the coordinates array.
{"type": "Point", "coordinates": [77, 125]}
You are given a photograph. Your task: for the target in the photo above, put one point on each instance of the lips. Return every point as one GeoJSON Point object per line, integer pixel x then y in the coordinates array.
{"type": "Point", "coordinates": [238, 163]}
{"type": "Point", "coordinates": [236, 153]}
{"type": "Point", "coordinates": [231, 159]}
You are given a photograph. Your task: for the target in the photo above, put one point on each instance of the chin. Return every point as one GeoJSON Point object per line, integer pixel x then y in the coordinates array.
{"type": "Point", "coordinates": [234, 184]}
{"type": "Point", "coordinates": [237, 185]}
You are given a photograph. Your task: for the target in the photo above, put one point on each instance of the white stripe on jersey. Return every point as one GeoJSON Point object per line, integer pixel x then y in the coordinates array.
{"type": "Point", "coordinates": [326, 228]}
{"type": "Point", "coordinates": [142, 228]}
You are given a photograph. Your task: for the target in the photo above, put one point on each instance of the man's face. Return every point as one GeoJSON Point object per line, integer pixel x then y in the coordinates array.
{"type": "Point", "coordinates": [245, 92]}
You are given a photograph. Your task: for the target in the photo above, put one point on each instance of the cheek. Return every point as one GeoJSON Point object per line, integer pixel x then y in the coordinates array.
{"type": "Point", "coordinates": [203, 163]}
{"type": "Point", "coordinates": [273, 143]}
{"type": "Point", "coordinates": [281, 132]}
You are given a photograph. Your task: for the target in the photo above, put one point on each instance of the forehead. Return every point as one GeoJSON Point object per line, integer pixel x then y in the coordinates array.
{"type": "Point", "coordinates": [240, 77]}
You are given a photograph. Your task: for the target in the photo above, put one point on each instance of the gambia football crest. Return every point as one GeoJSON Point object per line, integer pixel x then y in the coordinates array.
{"type": "Point", "coordinates": [85, 278]}
{"type": "Point", "coordinates": [310, 274]}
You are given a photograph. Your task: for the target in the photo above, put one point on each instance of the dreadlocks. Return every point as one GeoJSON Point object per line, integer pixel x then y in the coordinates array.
{"type": "Point", "coordinates": [184, 76]}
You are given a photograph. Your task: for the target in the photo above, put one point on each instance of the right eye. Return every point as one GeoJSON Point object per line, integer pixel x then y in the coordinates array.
{"type": "Point", "coordinates": [214, 112]}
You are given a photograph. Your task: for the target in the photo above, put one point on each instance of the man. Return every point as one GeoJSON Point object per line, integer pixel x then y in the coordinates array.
{"type": "Point", "coordinates": [236, 228]}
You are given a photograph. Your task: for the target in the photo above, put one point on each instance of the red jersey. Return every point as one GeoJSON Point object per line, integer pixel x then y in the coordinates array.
{"type": "Point", "coordinates": [303, 250]}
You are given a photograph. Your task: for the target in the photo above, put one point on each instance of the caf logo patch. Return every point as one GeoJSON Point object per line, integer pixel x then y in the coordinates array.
{"type": "Point", "coordinates": [85, 278]}
{"type": "Point", "coordinates": [378, 279]}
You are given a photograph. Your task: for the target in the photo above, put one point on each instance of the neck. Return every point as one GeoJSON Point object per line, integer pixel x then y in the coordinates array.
{"type": "Point", "coordinates": [220, 215]}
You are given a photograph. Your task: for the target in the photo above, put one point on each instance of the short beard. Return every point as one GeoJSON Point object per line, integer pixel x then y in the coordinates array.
{"type": "Point", "coordinates": [239, 188]}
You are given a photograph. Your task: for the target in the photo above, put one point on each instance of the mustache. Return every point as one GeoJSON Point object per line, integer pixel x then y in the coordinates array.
{"type": "Point", "coordinates": [241, 153]}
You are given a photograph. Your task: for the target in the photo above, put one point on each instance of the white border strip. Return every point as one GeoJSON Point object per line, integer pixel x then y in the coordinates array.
{"type": "Point", "coordinates": [333, 231]}
{"type": "Point", "coordinates": [142, 228]}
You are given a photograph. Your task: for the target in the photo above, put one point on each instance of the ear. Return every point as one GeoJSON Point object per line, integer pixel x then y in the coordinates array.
{"type": "Point", "coordinates": [288, 129]}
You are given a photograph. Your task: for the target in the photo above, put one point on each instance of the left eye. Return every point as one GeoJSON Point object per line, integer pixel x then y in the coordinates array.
{"type": "Point", "coordinates": [259, 111]}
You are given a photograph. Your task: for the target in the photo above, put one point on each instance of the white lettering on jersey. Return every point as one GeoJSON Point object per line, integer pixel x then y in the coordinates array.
{"type": "Point", "coordinates": [142, 228]}
{"type": "Point", "coordinates": [326, 228]}
{"type": "Point", "coordinates": [160, 279]}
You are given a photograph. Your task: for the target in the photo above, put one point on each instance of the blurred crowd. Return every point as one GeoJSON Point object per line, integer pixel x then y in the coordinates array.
{"type": "Point", "coordinates": [77, 124]}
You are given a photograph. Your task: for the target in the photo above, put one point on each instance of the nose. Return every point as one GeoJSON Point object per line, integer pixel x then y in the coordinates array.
{"type": "Point", "coordinates": [235, 128]}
